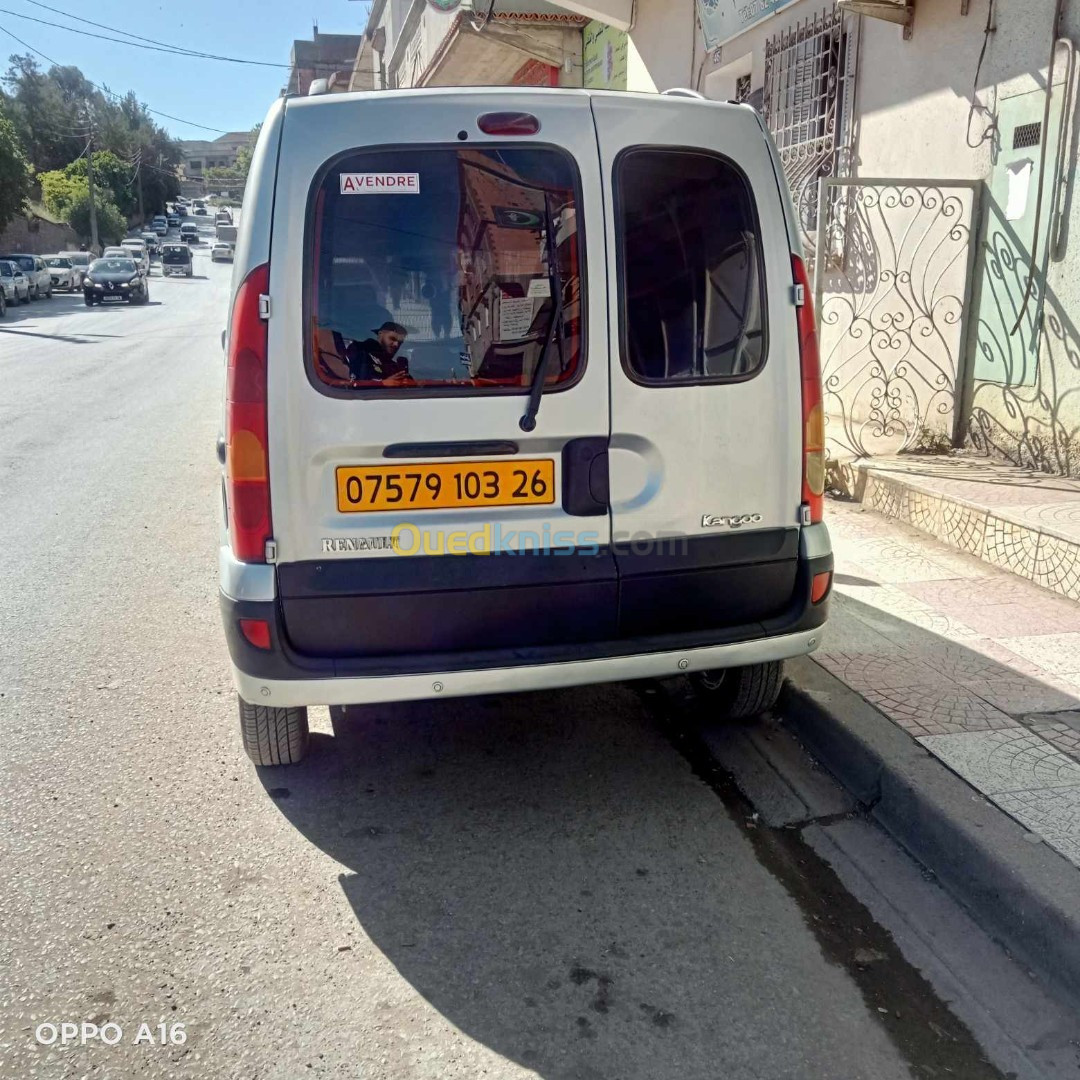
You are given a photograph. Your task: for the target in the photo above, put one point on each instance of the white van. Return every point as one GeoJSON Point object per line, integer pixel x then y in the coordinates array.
{"type": "Point", "coordinates": [522, 393]}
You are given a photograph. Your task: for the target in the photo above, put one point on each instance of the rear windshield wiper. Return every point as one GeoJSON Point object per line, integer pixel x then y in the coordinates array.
{"type": "Point", "coordinates": [536, 387]}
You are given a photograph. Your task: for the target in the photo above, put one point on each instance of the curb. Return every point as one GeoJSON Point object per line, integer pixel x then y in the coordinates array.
{"type": "Point", "coordinates": [1023, 894]}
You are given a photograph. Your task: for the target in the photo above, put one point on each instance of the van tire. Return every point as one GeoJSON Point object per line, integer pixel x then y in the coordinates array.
{"type": "Point", "coordinates": [273, 736]}
{"type": "Point", "coordinates": [740, 693]}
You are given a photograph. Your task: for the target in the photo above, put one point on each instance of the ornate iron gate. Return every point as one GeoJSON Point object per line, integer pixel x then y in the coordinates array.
{"type": "Point", "coordinates": [893, 284]}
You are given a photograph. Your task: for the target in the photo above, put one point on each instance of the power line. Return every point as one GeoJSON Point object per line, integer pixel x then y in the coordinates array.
{"type": "Point", "coordinates": [172, 50]}
{"type": "Point", "coordinates": [105, 90]}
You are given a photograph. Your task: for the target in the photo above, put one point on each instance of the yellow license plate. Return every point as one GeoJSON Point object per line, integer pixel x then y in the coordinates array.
{"type": "Point", "coordinates": [444, 485]}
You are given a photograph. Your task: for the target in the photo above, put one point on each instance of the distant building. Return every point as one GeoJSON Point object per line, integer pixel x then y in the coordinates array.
{"type": "Point", "coordinates": [327, 56]}
{"type": "Point", "coordinates": [220, 153]}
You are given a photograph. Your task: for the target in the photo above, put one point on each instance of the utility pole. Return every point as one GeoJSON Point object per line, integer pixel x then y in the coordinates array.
{"type": "Point", "coordinates": [90, 184]}
{"type": "Point", "coordinates": [138, 176]}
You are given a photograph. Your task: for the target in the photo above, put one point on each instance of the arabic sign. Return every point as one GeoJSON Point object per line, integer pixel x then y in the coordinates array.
{"type": "Point", "coordinates": [604, 57]}
{"type": "Point", "coordinates": [721, 20]}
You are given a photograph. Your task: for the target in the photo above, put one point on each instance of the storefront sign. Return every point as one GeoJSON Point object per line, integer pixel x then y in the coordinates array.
{"type": "Point", "coordinates": [604, 52]}
{"type": "Point", "coordinates": [721, 20]}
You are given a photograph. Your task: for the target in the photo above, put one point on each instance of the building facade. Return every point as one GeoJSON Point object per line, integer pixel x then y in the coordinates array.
{"type": "Point", "coordinates": [509, 42]}
{"type": "Point", "coordinates": [220, 153]}
{"type": "Point", "coordinates": [333, 57]}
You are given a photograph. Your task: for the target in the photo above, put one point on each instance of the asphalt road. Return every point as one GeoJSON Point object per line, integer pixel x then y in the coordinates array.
{"type": "Point", "coordinates": [540, 885]}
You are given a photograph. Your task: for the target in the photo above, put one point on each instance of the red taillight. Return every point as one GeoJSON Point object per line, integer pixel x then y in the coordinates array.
{"type": "Point", "coordinates": [508, 123]}
{"type": "Point", "coordinates": [247, 470]}
{"type": "Point", "coordinates": [257, 631]}
{"type": "Point", "coordinates": [813, 412]}
{"type": "Point", "coordinates": [819, 587]}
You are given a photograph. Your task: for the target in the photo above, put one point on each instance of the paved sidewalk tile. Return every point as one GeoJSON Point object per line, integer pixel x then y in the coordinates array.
{"type": "Point", "coordinates": [1060, 729]}
{"type": "Point", "coordinates": [1007, 614]}
{"type": "Point", "coordinates": [1059, 653]}
{"type": "Point", "coordinates": [1053, 814]}
{"type": "Point", "coordinates": [979, 665]}
{"type": "Point", "coordinates": [1005, 761]}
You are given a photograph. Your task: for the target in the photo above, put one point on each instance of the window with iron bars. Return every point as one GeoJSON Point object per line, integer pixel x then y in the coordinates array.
{"type": "Point", "coordinates": [808, 105]}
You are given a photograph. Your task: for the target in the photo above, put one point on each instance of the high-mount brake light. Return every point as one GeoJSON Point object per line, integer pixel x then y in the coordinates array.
{"type": "Point", "coordinates": [813, 412]}
{"type": "Point", "coordinates": [247, 467]}
{"type": "Point", "coordinates": [508, 123]}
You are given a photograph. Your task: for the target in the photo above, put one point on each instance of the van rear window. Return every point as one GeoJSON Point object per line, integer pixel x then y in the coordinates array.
{"type": "Point", "coordinates": [440, 268]}
{"type": "Point", "coordinates": [690, 268]}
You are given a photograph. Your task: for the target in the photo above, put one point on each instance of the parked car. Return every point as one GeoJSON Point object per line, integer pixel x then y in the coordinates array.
{"type": "Point", "coordinates": [37, 273]}
{"type": "Point", "coordinates": [115, 278]}
{"type": "Point", "coordinates": [61, 271]}
{"type": "Point", "coordinates": [222, 251]}
{"type": "Point", "coordinates": [176, 260]}
{"type": "Point", "coordinates": [189, 233]}
{"type": "Point", "coordinates": [136, 248]}
{"type": "Point", "coordinates": [80, 260]}
{"type": "Point", "coordinates": [15, 285]}
{"type": "Point", "coordinates": [699, 406]}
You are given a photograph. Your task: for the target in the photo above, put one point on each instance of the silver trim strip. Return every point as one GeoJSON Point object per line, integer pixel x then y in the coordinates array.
{"type": "Point", "coordinates": [389, 688]}
{"type": "Point", "coordinates": [244, 581]}
{"type": "Point", "coordinates": [815, 542]}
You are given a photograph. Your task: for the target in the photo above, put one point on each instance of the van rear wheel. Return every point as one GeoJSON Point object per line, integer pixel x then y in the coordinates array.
{"type": "Point", "coordinates": [742, 692]}
{"type": "Point", "coordinates": [273, 736]}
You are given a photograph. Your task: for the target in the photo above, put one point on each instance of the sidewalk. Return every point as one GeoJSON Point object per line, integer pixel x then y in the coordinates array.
{"type": "Point", "coordinates": [980, 667]}
{"type": "Point", "coordinates": [1023, 521]}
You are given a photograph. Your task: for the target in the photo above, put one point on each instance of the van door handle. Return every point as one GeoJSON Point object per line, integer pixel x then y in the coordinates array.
{"type": "Point", "coordinates": [585, 476]}
{"type": "Point", "coordinates": [221, 449]}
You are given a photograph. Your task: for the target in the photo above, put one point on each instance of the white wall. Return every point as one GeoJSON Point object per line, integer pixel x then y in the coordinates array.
{"type": "Point", "coordinates": [662, 45]}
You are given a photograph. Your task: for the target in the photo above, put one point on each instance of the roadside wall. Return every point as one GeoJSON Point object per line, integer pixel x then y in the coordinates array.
{"type": "Point", "coordinates": [38, 236]}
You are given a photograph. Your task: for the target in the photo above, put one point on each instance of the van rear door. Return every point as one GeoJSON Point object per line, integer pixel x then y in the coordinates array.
{"type": "Point", "coordinates": [422, 270]}
{"type": "Point", "coordinates": [706, 407]}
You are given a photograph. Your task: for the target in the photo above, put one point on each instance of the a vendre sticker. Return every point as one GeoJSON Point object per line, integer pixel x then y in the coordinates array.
{"type": "Point", "coordinates": [379, 183]}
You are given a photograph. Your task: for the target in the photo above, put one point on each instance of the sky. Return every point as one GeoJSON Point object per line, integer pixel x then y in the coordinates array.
{"type": "Point", "coordinates": [230, 97]}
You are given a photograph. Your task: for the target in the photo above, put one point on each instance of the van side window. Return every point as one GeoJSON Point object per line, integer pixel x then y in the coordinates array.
{"type": "Point", "coordinates": [439, 268]}
{"type": "Point", "coordinates": [690, 268]}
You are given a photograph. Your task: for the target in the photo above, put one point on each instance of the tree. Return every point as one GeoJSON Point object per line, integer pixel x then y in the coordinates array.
{"type": "Point", "coordinates": [243, 155]}
{"type": "Point", "coordinates": [115, 176]}
{"type": "Point", "coordinates": [54, 113]}
{"type": "Point", "coordinates": [59, 190]}
{"type": "Point", "coordinates": [112, 225]}
{"type": "Point", "coordinates": [14, 173]}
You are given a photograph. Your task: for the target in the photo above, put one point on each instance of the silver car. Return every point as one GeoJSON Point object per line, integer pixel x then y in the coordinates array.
{"type": "Point", "coordinates": [37, 273]}
{"type": "Point", "coordinates": [62, 272]}
{"type": "Point", "coordinates": [80, 262]}
{"type": "Point", "coordinates": [14, 284]}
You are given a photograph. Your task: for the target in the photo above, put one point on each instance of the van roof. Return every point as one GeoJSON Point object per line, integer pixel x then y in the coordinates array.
{"type": "Point", "coordinates": [504, 94]}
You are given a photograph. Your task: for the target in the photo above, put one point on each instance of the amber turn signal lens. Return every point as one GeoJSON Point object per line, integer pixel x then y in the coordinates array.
{"type": "Point", "coordinates": [819, 589]}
